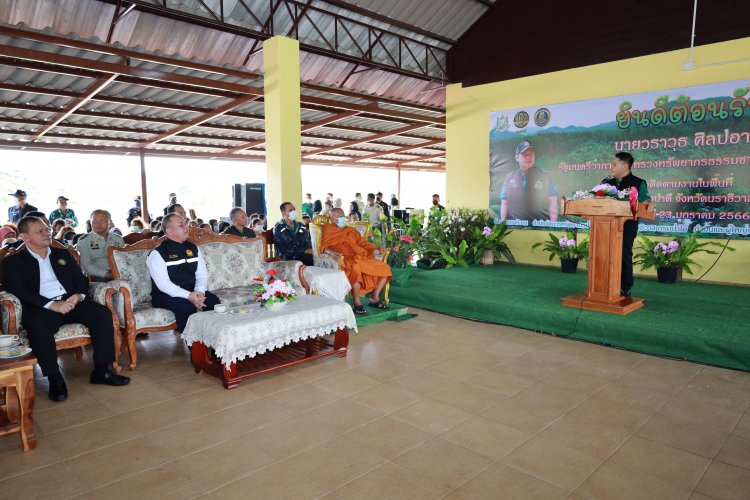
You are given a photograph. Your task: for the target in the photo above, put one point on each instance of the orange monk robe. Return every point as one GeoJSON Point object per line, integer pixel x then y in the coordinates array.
{"type": "Point", "coordinates": [359, 263]}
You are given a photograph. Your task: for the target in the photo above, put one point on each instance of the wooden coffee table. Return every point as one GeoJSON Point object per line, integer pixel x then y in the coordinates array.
{"type": "Point", "coordinates": [17, 413]}
{"type": "Point", "coordinates": [234, 346]}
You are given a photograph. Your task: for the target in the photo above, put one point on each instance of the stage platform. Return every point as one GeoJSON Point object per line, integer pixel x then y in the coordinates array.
{"type": "Point", "coordinates": [699, 322]}
{"type": "Point", "coordinates": [374, 316]}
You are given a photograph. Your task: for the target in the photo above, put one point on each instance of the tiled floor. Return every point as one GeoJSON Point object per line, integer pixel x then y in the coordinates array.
{"type": "Point", "coordinates": [428, 408]}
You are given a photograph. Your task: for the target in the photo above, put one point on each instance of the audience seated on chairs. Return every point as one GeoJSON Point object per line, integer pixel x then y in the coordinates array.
{"type": "Point", "coordinates": [173, 209]}
{"type": "Point", "coordinates": [365, 273]}
{"type": "Point", "coordinates": [291, 237]}
{"type": "Point", "coordinates": [239, 224]}
{"type": "Point", "coordinates": [137, 225]}
{"type": "Point", "coordinates": [52, 290]}
{"type": "Point", "coordinates": [179, 273]}
{"type": "Point", "coordinates": [93, 246]}
{"type": "Point", "coordinates": [257, 226]}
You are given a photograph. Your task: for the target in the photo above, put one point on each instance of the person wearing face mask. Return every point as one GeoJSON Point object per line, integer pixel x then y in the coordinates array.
{"type": "Point", "coordinates": [291, 237]}
{"type": "Point", "coordinates": [364, 272]}
{"type": "Point", "coordinates": [436, 202]}
{"type": "Point", "coordinates": [239, 222]}
{"type": "Point", "coordinates": [135, 211]}
{"type": "Point", "coordinates": [257, 226]}
{"type": "Point", "coordinates": [136, 225]}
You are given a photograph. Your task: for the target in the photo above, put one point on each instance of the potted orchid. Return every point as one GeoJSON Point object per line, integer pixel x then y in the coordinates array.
{"type": "Point", "coordinates": [569, 249]}
{"type": "Point", "coordinates": [488, 243]}
{"type": "Point", "coordinates": [668, 258]}
{"type": "Point", "coordinates": [272, 292]}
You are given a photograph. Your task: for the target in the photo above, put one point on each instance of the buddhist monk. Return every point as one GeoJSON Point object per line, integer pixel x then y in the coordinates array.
{"type": "Point", "coordinates": [364, 272]}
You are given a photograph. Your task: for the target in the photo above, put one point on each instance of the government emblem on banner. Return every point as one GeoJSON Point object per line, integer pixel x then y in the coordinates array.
{"type": "Point", "coordinates": [542, 117]}
{"type": "Point", "coordinates": [521, 119]}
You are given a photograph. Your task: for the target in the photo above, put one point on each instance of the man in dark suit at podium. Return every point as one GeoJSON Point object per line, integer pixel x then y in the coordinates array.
{"type": "Point", "coordinates": [52, 290]}
{"type": "Point", "coordinates": [622, 178]}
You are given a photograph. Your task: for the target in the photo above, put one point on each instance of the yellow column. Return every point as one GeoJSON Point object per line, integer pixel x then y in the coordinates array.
{"type": "Point", "coordinates": [283, 135]}
{"type": "Point", "coordinates": [467, 150]}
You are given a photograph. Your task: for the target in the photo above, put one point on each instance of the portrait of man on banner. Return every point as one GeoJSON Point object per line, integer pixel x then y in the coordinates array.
{"type": "Point", "coordinates": [528, 192]}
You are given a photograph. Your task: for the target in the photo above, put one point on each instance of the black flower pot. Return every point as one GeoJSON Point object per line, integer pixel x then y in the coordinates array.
{"type": "Point", "coordinates": [667, 274]}
{"type": "Point", "coordinates": [569, 265]}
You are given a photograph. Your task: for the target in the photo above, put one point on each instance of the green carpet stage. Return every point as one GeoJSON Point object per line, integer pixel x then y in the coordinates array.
{"type": "Point", "coordinates": [695, 321]}
{"type": "Point", "coordinates": [373, 316]}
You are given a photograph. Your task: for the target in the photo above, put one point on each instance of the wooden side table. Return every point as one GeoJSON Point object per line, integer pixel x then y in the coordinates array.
{"type": "Point", "coordinates": [17, 412]}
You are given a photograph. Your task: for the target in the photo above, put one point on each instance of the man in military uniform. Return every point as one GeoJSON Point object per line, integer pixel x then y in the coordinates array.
{"type": "Point", "coordinates": [529, 192]}
{"type": "Point", "coordinates": [93, 246]}
{"type": "Point", "coordinates": [622, 178]}
{"type": "Point", "coordinates": [179, 273]}
{"type": "Point", "coordinates": [291, 238]}
{"type": "Point", "coordinates": [239, 224]}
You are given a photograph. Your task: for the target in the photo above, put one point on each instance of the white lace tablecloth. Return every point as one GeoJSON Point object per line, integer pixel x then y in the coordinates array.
{"type": "Point", "coordinates": [236, 336]}
{"type": "Point", "coordinates": [326, 282]}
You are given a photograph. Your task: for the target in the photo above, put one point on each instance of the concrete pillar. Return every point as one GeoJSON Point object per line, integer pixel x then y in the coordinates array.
{"type": "Point", "coordinates": [283, 136]}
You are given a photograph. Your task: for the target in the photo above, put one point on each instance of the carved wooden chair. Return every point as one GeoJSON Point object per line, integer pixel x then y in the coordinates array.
{"type": "Point", "coordinates": [73, 336]}
{"type": "Point", "coordinates": [322, 259]}
{"type": "Point", "coordinates": [232, 263]}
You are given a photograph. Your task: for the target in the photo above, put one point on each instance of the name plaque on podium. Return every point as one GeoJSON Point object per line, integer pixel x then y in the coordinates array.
{"type": "Point", "coordinates": [607, 217]}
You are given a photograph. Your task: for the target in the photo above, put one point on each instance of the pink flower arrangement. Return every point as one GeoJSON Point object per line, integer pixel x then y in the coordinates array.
{"type": "Point", "coordinates": [486, 231]}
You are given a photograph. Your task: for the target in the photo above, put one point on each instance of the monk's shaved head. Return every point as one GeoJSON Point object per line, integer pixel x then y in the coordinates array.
{"type": "Point", "coordinates": [336, 213]}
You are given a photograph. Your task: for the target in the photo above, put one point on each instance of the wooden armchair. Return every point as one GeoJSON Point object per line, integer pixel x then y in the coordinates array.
{"type": "Point", "coordinates": [322, 259]}
{"type": "Point", "coordinates": [73, 336]}
{"type": "Point", "coordinates": [232, 263]}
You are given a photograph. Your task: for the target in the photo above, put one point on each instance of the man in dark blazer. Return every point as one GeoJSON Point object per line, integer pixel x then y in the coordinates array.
{"type": "Point", "coordinates": [52, 290]}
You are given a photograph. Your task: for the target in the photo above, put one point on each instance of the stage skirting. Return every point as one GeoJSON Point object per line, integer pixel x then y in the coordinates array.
{"type": "Point", "coordinates": [694, 321]}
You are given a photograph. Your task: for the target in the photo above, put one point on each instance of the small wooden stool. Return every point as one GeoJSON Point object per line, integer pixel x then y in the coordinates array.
{"type": "Point", "coordinates": [17, 411]}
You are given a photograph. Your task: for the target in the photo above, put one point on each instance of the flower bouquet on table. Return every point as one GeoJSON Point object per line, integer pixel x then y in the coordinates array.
{"type": "Point", "coordinates": [605, 191]}
{"type": "Point", "coordinates": [272, 292]}
{"type": "Point", "coordinates": [668, 258]}
{"type": "Point", "coordinates": [567, 248]}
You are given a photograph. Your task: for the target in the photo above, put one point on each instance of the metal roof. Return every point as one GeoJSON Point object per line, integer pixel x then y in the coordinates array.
{"type": "Point", "coordinates": [62, 87]}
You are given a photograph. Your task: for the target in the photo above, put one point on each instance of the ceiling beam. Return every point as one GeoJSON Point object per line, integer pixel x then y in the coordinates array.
{"type": "Point", "coordinates": [88, 65]}
{"type": "Point", "coordinates": [199, 120]}
{"type": "Point", "coordinates": [421, 145]}
{"type": "Point", "coordinates": [389, 20]}
{"type": "Point", "coordinates": [380, 135]}
{"type": "Point", "coordinates": [172, 11]}
{"type": "Point", "coordinates": [71, 65]}
{"type": "Point", "coordinates": [193, 154]}
{"type": "Point", "coordinates": [76, 103]}
{"type": "Point", "coordinates": [422, 158]}
{"type": "Point", "coordinates": [192, 65]}
{"type": "Point", "coordinates": [306, 127]}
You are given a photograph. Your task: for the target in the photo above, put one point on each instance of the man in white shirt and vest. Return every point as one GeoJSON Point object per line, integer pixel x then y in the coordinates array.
{"type": "Point", "coordinates": [52, 290]}
{"type": "Point", "coordinates": [178, 273]}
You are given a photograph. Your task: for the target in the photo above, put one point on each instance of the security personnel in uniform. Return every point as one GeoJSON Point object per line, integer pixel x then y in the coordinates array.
{"type": "Point", "coordinates": [93, 246]}
{"type": "Point", "coordinates": [528, 193]}
{"type": "Point", "coordinates": [622, 178]}
{"type": "Point", "coordinates": [291, 238]}
{"type": "Point", "coordinates": [179, 274]}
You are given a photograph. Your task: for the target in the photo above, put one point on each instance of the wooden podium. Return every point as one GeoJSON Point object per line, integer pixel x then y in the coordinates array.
{"type": "Point", "coordinates": [607, 218]}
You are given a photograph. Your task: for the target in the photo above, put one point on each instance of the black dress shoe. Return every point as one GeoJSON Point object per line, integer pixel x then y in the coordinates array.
{"type": "Point", "coordinates": [625, 293]}
{"type": "Point", "coordinates": [58, 391]}
{"type": "Point", "coordinates": [109, 378]}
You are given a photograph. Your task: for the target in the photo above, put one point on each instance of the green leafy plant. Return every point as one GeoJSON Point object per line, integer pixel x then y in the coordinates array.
{"type": "Point", "coordinates": [489, 238]}
{"type": "Point", "coordinates": [651, 253]}
{"type": "Point", "coordinates": [402, 242]}
{"type": "Point", "coordinates": [456, 255]}
{"type": "Point", "coordinates": [566, 247]}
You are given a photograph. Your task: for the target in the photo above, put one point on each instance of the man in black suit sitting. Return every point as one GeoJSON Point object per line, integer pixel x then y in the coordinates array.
{"type": "Point", "coordinates": [52, 290]}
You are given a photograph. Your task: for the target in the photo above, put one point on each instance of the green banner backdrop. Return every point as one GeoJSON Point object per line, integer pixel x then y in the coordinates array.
{"type": "Point", "coordinates": [691, 145]}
